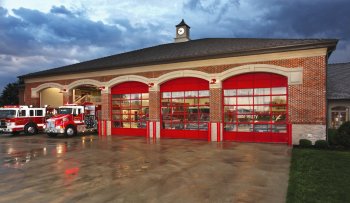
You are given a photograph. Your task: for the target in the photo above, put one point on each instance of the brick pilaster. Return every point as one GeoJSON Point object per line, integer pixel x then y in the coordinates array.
{"type": "Point", "coordinates": [105, 106]}
{"type": "Point", "coordinates": [154, 105]}
{"type": "Point", "coordinates": [35, 102]}
{"type": "Point", "coordinates": [66, 98]}
{"type": "Point", "coordinates": [215, 105]}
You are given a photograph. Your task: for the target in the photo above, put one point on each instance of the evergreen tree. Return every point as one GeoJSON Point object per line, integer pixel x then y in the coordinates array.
{"type": "Point", "coordinates": [9, 95]}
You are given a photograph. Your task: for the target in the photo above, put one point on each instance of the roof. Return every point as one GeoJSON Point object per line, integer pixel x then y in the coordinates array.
{"type": "Point", "coordinates": [207, 48]}
{"type": "Point", "coordinates": [338, 81]}
{"type": "Point", "coordinates": [182, 23]}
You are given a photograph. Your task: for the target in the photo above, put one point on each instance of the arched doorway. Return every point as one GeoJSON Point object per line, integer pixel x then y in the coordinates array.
{"type": "Point", "coordinates": [85, 94]}
{"type": "Point", "coordinates": [185, 108]}
{"type": "Point", "coordinates": [51, 97]}
{"type": "Point", "coordinates": [255, 108]}
{"type": "Point", "coordinates": [129, 109]}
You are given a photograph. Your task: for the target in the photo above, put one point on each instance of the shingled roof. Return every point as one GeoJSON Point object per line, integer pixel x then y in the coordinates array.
{"type": "Point", "coordinates": [338, 81]}
{"type": "Point", "coordinates": [192, 50]}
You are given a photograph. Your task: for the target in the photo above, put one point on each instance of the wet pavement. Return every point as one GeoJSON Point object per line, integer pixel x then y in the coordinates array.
{"type": "Point", "coordinates": [134, 169]}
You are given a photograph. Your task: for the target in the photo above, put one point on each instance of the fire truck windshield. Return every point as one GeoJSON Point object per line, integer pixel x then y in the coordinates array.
{"type": "Point", "coordinates": [65, 111]}
{"type": "Point", "coordinates": [6, 113]}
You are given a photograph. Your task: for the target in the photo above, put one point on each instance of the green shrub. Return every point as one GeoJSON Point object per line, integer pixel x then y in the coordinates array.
{"type": "Point", "coordinates": [343, 135]}
{"type": "Point", "coordinates": [332, 133]}
{"type": "Point", "coordinates": [321, 144]}
{"type": "Point", "coordinates": [305, 143]}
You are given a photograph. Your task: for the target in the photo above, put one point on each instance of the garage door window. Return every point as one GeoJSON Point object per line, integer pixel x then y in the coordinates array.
{"type": "Point", "coordinates": [185, 110]}
{"type": "Point", "coordinates": [130, 110]}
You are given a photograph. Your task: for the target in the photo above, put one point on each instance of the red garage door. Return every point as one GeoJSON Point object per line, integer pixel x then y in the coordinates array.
{"type": "Point", "coordinates": [256, 108]}
{"type": "Point", "coordinates": [129, 109]}
{"type": "Point", "coordinates": [185, 108]}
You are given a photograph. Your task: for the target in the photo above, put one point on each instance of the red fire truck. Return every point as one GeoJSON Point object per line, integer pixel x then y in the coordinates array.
{"type": "Point", "coordinates": [16, 119]}
{"type": "Point", "coordinates": [73, 119]}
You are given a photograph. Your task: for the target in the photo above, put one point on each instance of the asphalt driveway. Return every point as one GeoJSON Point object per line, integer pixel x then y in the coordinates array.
{"type": "Point", "coordinates": [133, 169]}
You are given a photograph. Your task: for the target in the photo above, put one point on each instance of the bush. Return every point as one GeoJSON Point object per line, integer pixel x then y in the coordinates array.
{"type": "Point", "coordinates": [343, 135]}
{"type": "Point", "coordinates": [305, 143]}
{"type": "Point", "coordinates": [332, 133]}
{"type": "Point", "coordinates": [321, 144]}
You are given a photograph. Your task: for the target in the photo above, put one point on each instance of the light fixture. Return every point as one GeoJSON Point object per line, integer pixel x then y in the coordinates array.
{"type": "Point", "coordinates": [62, 91]}
{"type": "Point", "coordinates": [213, 81]}
{"type": "Point", "coordinates": [151, 84]}
{"type": "Point", "coordinates": [102, 88]}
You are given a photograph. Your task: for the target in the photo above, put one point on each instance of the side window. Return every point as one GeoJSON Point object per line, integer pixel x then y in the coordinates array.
{"type": "Point", "coordinates": [79, 111]}
{"type": "Point", "coordinates": [31, 113]}
{"type": "Point", "coordinates": [39, 112]}
{"type": "Point", "coordinates": [23, 113]}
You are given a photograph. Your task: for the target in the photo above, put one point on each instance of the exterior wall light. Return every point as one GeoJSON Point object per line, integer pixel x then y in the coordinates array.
{"type": "Point", "coordinates": [150, 84]}
{"type": "Point", "coordinates": [213, 81]}
{"type": "Point", "coordinates": [62, 91]}
{"type": "Point", "coordinates": [101, 88]}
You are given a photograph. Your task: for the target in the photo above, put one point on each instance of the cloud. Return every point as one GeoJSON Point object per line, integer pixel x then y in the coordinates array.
{"type": "Point", "coordinates": [61, 10]}
{"type": "Point", "coordinates": [275, 19]}
{"type": "Point", "coordinates": [35, 40]}
{"type": "Point", "coordinates": [36, 37]}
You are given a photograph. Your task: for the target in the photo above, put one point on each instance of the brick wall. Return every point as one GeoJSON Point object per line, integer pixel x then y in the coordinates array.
{"type": "Point", "coordinates": [307, 102]}
{"type": "Point", "coordinates": [215, 104]}
{"type": "Point", "coordinates": [66, 97]}
{"type": "Point", "coordinates": [154, 106]}
{"type": "Point", "coordinates": [106, 108]}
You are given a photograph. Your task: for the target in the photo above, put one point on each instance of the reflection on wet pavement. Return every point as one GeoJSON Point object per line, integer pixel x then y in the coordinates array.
{"type": "Point", "coordinates": [134, 169]}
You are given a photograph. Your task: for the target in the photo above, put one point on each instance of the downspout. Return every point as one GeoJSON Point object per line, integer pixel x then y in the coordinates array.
{"type": "Point", "coordinates": [327, 111]}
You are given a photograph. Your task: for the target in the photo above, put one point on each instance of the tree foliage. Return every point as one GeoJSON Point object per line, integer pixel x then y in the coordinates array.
{"type": "Point", "coordinates": [9, 95]}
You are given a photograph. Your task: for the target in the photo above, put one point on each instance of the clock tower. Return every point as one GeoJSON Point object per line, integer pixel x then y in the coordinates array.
{"type": "Point", "coordinates": [182, 32]}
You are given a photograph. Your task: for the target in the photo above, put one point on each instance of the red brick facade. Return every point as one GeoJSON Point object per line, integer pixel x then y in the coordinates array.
{"type": "Point", "coordinates": [215, 104]}
{"type": "Point", "coordinates": [106, 109]}
{"type": "Point", "coordinates": [307, 101]}
{"type": "Point", "coordinates": [154, 106]}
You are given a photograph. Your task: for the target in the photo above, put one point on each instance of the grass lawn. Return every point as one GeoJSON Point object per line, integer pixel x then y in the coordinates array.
{"type": "Point", "coordinates": [319, 176]}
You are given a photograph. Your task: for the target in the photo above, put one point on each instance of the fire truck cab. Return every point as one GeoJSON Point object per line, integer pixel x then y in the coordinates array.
{"type": "Point", "coordinates": [15, 119]}
{"type": "Point", "coordinates": [72, 119]}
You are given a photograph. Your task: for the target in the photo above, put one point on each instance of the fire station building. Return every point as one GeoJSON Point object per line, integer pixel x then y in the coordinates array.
{"type": "Point", "coordinates": [217, 89]}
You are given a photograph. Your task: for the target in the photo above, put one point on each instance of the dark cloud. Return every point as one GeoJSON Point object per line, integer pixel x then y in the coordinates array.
{"type": "Point", "coordinates": [32, 40]}
{"type": "Point", "coordinates": [212, 7]}
{"type": "Point", "coordinates": [280, 19]}
{"type": "Point", "coordinates": [61, 10]}
{"type": "Point", "coordinates": [311, 18]}
{"type": "Point", "coordinates": [314, 19]}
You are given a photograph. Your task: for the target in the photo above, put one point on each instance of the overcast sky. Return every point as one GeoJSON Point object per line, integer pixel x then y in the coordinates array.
{"type": "Point", "coordinates": [38, 34]}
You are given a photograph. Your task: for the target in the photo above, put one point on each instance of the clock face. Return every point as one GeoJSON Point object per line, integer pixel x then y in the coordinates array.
{"type": "Point", "coordinates": [180, 31]}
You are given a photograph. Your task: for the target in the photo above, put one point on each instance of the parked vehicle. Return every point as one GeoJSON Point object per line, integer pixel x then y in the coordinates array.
{"type": "Point", "coordinates": [72, 119]}
{"type": "Point", "coordinates": [15, 119]}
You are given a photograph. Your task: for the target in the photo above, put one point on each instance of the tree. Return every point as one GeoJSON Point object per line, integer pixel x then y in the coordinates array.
{"type": "Point", "coordinates": [9, 95]}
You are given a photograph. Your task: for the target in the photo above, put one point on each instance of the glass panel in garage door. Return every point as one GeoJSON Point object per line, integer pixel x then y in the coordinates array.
{"type": "Point", "coordinates": [255, 103]}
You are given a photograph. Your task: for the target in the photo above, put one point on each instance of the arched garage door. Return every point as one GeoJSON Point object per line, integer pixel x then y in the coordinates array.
{"type": "Point", "coordinates": [255, 108]}
{"type": "Point", "coordinates": [130, 105]}
{"type": "Point", "coordinates": [185, 108]}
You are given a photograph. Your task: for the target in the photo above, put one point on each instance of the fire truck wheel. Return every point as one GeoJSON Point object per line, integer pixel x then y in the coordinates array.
{"type": "Point", "coordinates": [70, 131]}
{"type": "Point", "coordinates": [30, 129]}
